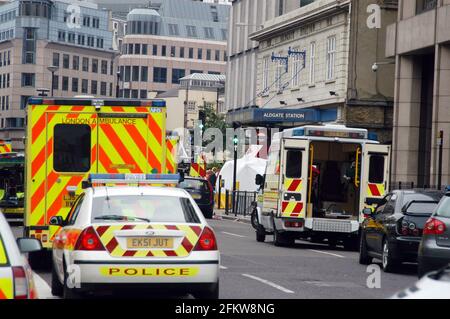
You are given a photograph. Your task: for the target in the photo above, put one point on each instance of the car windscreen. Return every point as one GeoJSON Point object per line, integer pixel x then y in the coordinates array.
{"type": "Point", "coordinates": [443, 209]}
{"type": "Point", "coordinates": [421, 208]}
{"type": "Point", "coordinates": [194, 184]}
{"type": "Point", "coordinates": [144, 208]}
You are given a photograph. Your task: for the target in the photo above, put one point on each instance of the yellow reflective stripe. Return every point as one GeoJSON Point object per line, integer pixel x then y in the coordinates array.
{"type": "Point", "coordinates": [6, 288]}
{"type": "Point", "coordinates": [3, 255]}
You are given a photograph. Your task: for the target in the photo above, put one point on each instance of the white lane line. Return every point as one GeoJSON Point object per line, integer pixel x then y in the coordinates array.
{"type": "Point", "coordinates": [43, 289]}
{"type": "Point", "coordinates": [235, 235]}
{"type": "Point", "coordinates": [269, 283]}
{"type": "Point", "coordinates": [326, 253]}
{"type": "Point", "coordinates": [223, 267]}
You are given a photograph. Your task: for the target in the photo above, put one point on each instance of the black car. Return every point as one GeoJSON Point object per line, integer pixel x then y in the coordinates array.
{"type": "Point", "coordinates": [393, 231]}
{"type": "Point", "coordinates": [434, 249]}
{"type": "Point", "coordinates": [202, 192]}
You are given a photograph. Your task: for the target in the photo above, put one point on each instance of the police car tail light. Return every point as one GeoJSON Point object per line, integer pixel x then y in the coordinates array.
{"type": "Point", "coordinates": [89, 240]}
{"type": "Point", "coordinates": [434, 227]}
{"type": "Point", "coordinates": [20, 283]}
{"type": "Point", "coordinates": [207, 240]}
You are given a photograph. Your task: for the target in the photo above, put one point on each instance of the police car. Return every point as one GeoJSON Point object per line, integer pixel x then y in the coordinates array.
{"type": "Point", "coordinates": [16, 277]}
{"type": "Point", "coordinates": [134, 238]}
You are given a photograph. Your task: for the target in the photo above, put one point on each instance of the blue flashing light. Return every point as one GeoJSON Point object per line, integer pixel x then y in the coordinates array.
{"type": "Point", "coordinates": [35, 101]}
{"type": "Point", "coordinates": [160, 103]}
{"type": "Point", "coordinates": [373, 136]}
{"type": "Point", "coordinates": [135, 177]}
{"type": "Point", "coordinates": [299, 132]}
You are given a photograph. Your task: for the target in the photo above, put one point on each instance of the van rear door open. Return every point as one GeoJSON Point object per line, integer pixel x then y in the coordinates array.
{"type": "Point", "coordinates": [294, 178]}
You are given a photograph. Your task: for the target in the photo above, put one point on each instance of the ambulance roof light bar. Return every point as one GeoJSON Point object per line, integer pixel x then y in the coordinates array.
{"type": "Point", "coordinates": [131, 179]}
{"type": "Point", "coordinates": [85, 101]}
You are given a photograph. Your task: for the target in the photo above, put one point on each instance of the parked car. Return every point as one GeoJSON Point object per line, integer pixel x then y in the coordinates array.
{"type": "Point", "coordinates": [435, 285]}
{"type": "Point", "coordinates": [202, 192]}
{"type": "Point", "coordinates": [16, 276]}
{"type": "Point", "coordinates": [393, 231]}
{"type": "Point", "coordinates": [434, 249]}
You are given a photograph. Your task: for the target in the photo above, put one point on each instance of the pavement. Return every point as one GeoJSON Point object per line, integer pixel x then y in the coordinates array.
{"type": "Point", "coordinates": [252, 270]}
{"type": "Point", "coordinates": [220, 214]}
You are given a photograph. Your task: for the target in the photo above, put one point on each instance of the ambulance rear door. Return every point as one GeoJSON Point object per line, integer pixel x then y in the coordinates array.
{"type": "Point", "coordinates": [294, 178]}
{"type": "Point", "coordinates": [375, 174]}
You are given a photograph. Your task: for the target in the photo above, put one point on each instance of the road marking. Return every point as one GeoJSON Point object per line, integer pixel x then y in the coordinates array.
{"type": "Point", "coordinates": [269, 283]}
{"type": "Point", "coordinates": [235, 235]}
{"type": "Point", "coordinates": [223, 267]}
{"type": "Point", "coordinates": [326, 253]}
{"type": "Point", "coordinates": [43, 289]}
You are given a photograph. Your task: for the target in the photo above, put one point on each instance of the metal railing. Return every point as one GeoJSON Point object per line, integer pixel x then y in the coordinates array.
{"type": "Point", "coordinates": [243, 202]}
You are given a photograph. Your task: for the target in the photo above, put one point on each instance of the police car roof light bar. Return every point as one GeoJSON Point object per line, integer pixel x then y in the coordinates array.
{"type": "Point", "coordinates": [132, 179]}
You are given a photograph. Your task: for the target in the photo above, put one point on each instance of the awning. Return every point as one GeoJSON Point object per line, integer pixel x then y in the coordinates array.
{"type": "Point", "coordinates": [280, 117]}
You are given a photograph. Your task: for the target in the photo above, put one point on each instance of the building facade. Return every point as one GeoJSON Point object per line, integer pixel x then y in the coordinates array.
{"type": "Point", "coordinates": [35, 35]}
{"type": "Point", "coordinates": [419, 42]}
{"type": "Point", "coordinates": [170, 40]}
{"type": "Point", "coordinates": [309, 58]}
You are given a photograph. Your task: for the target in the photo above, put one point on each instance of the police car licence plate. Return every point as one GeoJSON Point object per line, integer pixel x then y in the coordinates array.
{"type": "Point", "coordinates": [150, 242]}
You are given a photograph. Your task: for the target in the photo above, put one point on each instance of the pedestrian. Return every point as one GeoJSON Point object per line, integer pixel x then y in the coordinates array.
{"type": "Point", "coordinates": [213, 178]}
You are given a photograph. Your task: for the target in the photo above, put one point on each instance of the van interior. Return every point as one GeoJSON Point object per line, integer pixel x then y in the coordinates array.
{"type": "Point", "coordinates": [333, 190]}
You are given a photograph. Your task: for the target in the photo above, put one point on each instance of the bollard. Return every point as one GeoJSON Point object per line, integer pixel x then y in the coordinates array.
{"type": "Point", "coordinates": [226, 202]}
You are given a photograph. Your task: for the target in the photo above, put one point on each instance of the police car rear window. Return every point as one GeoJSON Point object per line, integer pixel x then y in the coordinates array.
{"type": "Point", "coordinates": [143, 208]}
{"type": "Point", "coordinates": [72, 148]}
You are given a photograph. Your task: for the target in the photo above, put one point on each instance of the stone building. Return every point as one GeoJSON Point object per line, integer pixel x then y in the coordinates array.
{"type": "Point", "coordinates": [419, 42]}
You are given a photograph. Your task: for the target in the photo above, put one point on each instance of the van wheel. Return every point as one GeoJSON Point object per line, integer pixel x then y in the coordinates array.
{"type": "Point", "coordinates": [254, 219]}
{"type": "Point", "coordinates": [364, 258]}
{"type": "Point", "coordinates": [260, 234]}
{"type": "Point", "coordinates": [281, 240]}
{"type": "Point", "coordinates": [57, 286]}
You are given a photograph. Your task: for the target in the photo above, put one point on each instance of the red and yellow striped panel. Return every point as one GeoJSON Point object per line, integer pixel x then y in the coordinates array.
{"type": "Point", "coordinates": [375, 190]}
{"type": "Point", "coordinates": [198, 169]}
{"type": "Point", "coordinates": [293, 185]}
{"type": "Point", "coordinates": [171, 154]}
{"type": "Point", "coordinates": [291, 209]}
{"type": "Point", "coordinates": [106, 234]}
{"type": "Point", "coordinates": [5, 146]}
{"type": "Point", "coordinates": [6, 288]}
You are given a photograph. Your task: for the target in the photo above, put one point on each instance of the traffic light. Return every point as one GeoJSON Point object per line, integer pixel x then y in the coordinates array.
{"type": "Point", "coordinates": [235, 140]}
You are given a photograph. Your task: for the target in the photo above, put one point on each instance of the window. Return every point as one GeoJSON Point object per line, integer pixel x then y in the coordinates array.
{"type": "Point", "coordinates": [84, 86]}
{"type": "Point", "coordinates": [280, 7]}
{"type": "Point", "coordinates": [305, 2]}
{"type": "Point", "coordinates": [217, 55]}
{"type": "Point", "coordinates": [376, 169]}
{"type": "Point", "coordinates": [163, 50]}
{"type": "Point", "coordinates": [172, 51]}
{"type": "Point", "coordinates": [155, 49]}
{"type": "Point", "coordinates": [86, 21]}
{"type": "Point", "coordinates": [86, 64]}
{"type": "Point", "coordinates": [279, 71]}
{"type": "Point", "coordinates": [144, 74]}
{"type": "Point", "coordinates": [196, 71]}
{"type": "Point", "coordinates": [103, 88]}
{"type": "Point", "coordinates": [127, 73]}
{"type": "Point", "coordinates": [66, 61]}
{"type": "Point", "coordinates": [61, 36]}
{"type": "Point", "coordinates": [209, 33]}
{"type": "Point", "coordinates": [94, 65]}
{"type": "Point", "coordinates": [110, 89]}
{"type": "Point", "coordinates": [71, 37]}
{"type": "Point", "coordinates": [294, 164]}
{"type": "Point", "coordinates": [76, 62]}
{"type": "Point", "coordinates": [177, 74]}
{"type": "Point", "coordinates": [29, 46]}
{"type": "Point", "coordinates": [55, 59]}
{"type": "Point", "coordinates": [224, 34]}
{"type": "Point", "coordinates": [72, 148]}
{"type": "Point", "coordinates": [104, 67]}
{"type": "Point", "coordinates": [160, 75]}
{"type": "Point", "coordinates": [28, 79]}
{"type": "Point", "coordinates": [331, 57]}
{"type": "Point", "coordinates": [173, 29]}
{"type": "Point", "coordinates": [90, 41]}
{"type": "Point", "coordinates": [55, 82]}
{"type": "Point", "coordinates": [65, 83]}
{"type": "Point", "coordinates": [181, 52]}
{"type": "Point", "coordinates": [24, 101]}
{"type": "Point", "coordinates": [75, 210]}
{"type": "Point", "coordinates": [130, 48]}
{"type": "Point", "coordinates": [100, 43]}
{"type": "Point", "coordinates": [81, 39]}
{"type": "Point", "coordinates": [444, 207]}
{"type": "Point", "coordinates": [145, 49]}
{"type": "Point", "coordinates": [425, 5]}
{"type": "Point", "coordinates": [312, 62]}
{"type": "Point", "coordinates": [135, 75]}
{"type": "Point", "coordinates": [7, 80]}
{"type": "Point", "coordinates": [75, 85]}
{"type": "Point", "coordinates": [143, 94]}
{"type": "Point", "coordinates": [296, 68]}
{"type": "Point", "coordinates": [137, 48]}
{"type": "Point", "coordinates": [170, 208]}
{"type": "Point", "coordinates": [94, 87]}
{"type": "Point", "coordinates": [199, 54]}
{"type": "Point", "coordinates": [191, 53]}
{"type": "Point", "coordinates": [134, 94]}
{"type": "Point", "coordinates": [191, 31]}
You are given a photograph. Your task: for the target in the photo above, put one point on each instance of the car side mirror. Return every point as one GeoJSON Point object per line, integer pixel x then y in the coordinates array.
{"type": "Point", "coordinates": [28, 245]}
{"type": "Point", "coordinates": [259, 179]}
{"type": "Point", "coordinates": [57, 221]}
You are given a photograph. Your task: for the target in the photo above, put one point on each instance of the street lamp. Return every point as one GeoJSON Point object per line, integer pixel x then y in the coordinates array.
{"type": "Point", "coordinates": [118, 83]}
{"type": "Point", "coordinates": [53, 69]}
{"type": "Point", "coordinates": [235, 144]}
